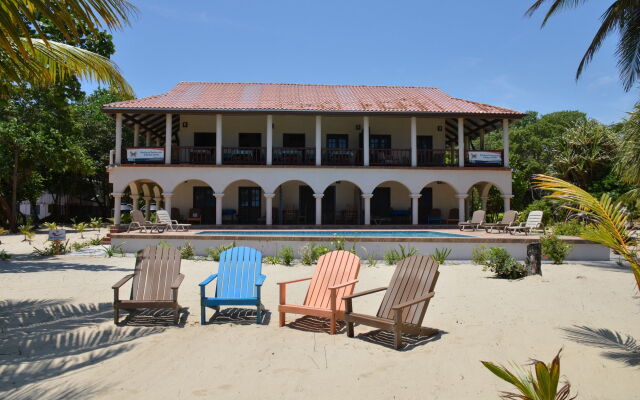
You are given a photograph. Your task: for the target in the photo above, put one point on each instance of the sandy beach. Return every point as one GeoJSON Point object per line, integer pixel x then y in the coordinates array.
{"type": "Point", "coordinates": [58, 340]}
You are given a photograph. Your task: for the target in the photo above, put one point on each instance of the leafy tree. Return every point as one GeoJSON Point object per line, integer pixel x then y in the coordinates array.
{"type": "Point", "coordinates": [622, 16]}
{"type": "Point", "coordinates": [628, 163]}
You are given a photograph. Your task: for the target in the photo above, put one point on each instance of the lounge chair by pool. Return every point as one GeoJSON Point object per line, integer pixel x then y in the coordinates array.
{"type": "Point", "coordinates": [476, 221]}
{"type": "Point", "coordinates": [534, 222]}
{"type": "Point", "coordinates": [508, 219]}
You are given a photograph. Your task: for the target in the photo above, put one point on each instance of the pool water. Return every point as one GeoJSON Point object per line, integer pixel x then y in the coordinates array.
{"type": "Point", "coordinates": [390, 233]}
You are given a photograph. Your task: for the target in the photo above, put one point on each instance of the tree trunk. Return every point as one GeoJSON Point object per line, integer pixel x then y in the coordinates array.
{"type": "Point", "coordinates": [14, 196]}
{"type": "Point", "coordinates": [534, 259]}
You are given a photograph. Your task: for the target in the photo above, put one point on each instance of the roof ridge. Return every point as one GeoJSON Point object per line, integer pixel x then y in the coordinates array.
{"type": "Point", "coordinates": [310, 84]}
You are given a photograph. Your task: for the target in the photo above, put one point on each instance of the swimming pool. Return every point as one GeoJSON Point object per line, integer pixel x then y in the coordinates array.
{"type": "Point", "coordinates": [360, 234]}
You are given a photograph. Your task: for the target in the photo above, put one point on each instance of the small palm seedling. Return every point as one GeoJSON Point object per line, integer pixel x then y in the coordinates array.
{"type": "Point", "coordinates": [96, 223]}
{"type": "Point", "coordinates": [80, 227]}
{"type": "Point", "coordinates": [3, 232]}
{"type": "Point", "coordinates": [441, 255]}
{"type": "Point", "coordinates": [542, 386]}
{"type": "Point", "coordinates": [51, 225]}
{"type": "Point", "coordinates": [111, 250]}
{"type": "Point", "coordinates": [27, 231]}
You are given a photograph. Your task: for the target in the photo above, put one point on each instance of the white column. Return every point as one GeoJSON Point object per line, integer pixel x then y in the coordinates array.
{"type": "Point", "coordinates": [365, 142]}
{"type": "Point", "coordinates": [147, 207]}
{"type": "Point", "coordinates": [269, 139]}
{"type": "Point", "coordinates": [269, 207]}
{"type": "Point", "coordinates": [117, 202]}
{"type": "Point", "coordinates": [482, 140]}
{"type": "Point", "coordinates": [461, 142]}
{"type": "Point", "coordinates": [506, 198]}
{"type": "Point", "coordinates": [218, 139]}
{"type": "Point", "coordinates": [134, 200]}
{"type": "Point", "coordinates": [483, 200]}
{"type": "Point", "coordinates": [318, 197]}
{"type": "Point", "coordinates": [414, 207]}
{"type": "Point", "coordinates": [505, 141]}
{"type": "Point", "coordinates": [136, 135]}
{"type": "Point", "coordinates": [367, 207]}
{"type": "Point", "coordinates": [158, 203]}
{"type": "Point", "coordinates": [147, 139]}
{"type": "Point", "coordinates": [167, 140]}
{"type": "Point", "coordinates": [218, 197]}
{"type": "Point", "coordinates": [461, 202]}
{"type": "Point", "coordinates": [414, 142]}
{"type": "Point", "coordinates": [167, 201]}
{"type": "Point", "coordinates": [318, 140]}
{"type": "Point", "coordinates": [118, 138]}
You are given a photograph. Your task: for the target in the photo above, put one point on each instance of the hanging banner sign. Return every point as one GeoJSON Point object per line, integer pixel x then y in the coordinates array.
{"type": "Point", "coordinates": [145, 154]}
{"type": "Point", "coordinates": [57, 234]}
{"type": "Point", "coordinates": [485, 157]}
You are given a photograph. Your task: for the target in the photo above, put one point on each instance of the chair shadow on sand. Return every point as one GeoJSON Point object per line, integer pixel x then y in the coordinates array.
{"type": "Point", "coordinates": [619, 347]}
{"type": "Point", "coordinates": [309, 323]}
{"type": "Point", "coordinates": [410, 342]}
{"type": "Point", "coordinates": [42, 339]}
{"type": "Point", "coordinates": [154, 317]}
{"type": "Point", "coordinates": [238, 316]}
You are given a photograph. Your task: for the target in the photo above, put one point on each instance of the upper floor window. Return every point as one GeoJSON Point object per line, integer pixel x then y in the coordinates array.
{"type": "Point", "coordinates": [250, 140]}
{"type": "Point", "coordinates": [337, 141]}
{"type": "Point", "coordinates": [204, 139]}
{"type": "Point", "coordinates": [293, 140]}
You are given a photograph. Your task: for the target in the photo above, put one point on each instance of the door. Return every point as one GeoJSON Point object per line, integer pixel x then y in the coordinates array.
{"type": "Point", "coordinates": [253, 152]}
{"type": "Point", "coordinates": [329, 206]}
{"type": "Point", "coordinates": [381, 202]}
{"type": "Point", "coordinates": [249, 205]}
{"type": "Point", "coordinates": [203, 199]}
{"type": "Point", "coordinates": [307, 205]}
{"type": "Point", "coordinates": [425, 153]}
{"type": "Point", "coordinates": [206, 155]}
{"type": "Point", "coordinates": [249, 140]}
{"type": "Point", "coordinates": [204, 139]}
{"type": "Point", "coordinates": [293, 140]}
{"type": "Point", "coordinates": [425, 204]}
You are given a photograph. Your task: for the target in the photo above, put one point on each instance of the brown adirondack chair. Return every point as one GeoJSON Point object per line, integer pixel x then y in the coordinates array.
{"type": "Point", "coordinates": [334, 277]}
{"type": "Point", "coordinates": [155, 284]}
{"type": "Point", "coordinates": [405, 301]}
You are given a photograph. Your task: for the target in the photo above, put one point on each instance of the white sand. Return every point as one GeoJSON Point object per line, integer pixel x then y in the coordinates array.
{"type": "Point", "coordinates": [66, 346]}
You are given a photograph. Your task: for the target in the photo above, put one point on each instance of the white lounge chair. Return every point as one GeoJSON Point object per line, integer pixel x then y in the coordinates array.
{"type": "Point", "coordinates": [476, 221]}
{"type": "Point", "coordinates": [138, 222]}
{"type": "Point", "coordinates": [534, 222]}
{"type": "Point", "coordinates": [165, 219]}
{"type": "Point", "coordinates": [508, 219]}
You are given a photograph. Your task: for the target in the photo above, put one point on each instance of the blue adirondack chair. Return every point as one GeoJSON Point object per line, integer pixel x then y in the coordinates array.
{"type": "Point", "coordinates": [239, 280]}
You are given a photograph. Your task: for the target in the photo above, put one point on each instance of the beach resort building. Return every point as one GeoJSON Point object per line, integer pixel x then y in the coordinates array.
{"type": "Point", "coordinates": [297, 154]}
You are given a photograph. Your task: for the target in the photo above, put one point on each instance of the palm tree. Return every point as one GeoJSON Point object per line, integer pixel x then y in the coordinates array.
{"type": "Point", "coordinates": [26, 56]}
{"type": "Point", "coordinates": [609, 226]}
{"type": "Point", "coordinates": [628, 162]}
{"type": "Point", "coordinates": [622, 16]}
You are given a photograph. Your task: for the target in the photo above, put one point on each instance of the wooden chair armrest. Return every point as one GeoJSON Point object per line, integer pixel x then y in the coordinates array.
{"type": "Point", "coordinates": [366, 292]}
{"type": "Point", "coordinates": [122, 281]}
{"type": "Point", "coordinates": [176, 282]}
{"type": "Point", "coordinates": [294, 281]}
{"type": "Point", "coordinates": [208, 280]}
{"type": "Point", "coordinates": [343, 285]}
{"type": "Point", "coordinates": [412, 302]}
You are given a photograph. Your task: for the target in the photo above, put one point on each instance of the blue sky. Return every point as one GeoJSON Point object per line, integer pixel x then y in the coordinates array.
{"type": "Point", "coordinates": [489, 53]}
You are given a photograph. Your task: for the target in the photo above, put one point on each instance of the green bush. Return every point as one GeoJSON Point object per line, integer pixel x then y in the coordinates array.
{"type": "Point", "coordinates": [273, 260]}
{"type": "Point", "coordinates": [539, 205]}
{"type": "Point", "coordinates": [479, 255]}
{"type": "Point", "coordinates": [4, 255]}
{"type": "Point", "coordinates": [569, 228]}
{"type": "Point", "coordinates": [554, 248]}
{"type": "Point", "coordinates": [441, 255]}
{"type": "Point", "coordinates": [215, 252]}
{"type": "Point", "coordinates": [164, 243]}
{"type": "Point", "coordinates": [310, 253]}
{"type": "Point", "coordinates": [187, 252]}
{"type": "Point", "coordinates": [286, 255]}
{"type": "Point", "coordinates": [392, 256]}
{"type": "Point", "coordinates": [500, 262]}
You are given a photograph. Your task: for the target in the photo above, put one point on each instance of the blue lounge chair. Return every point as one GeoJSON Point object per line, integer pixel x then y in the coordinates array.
{"type": "Point", "coordinates": [239, 280]}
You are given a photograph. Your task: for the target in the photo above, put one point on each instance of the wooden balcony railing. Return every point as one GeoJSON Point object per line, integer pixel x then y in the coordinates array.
{"type": "Point", "coordinates": [243, 155]}
{"type": "Point", "coordinates": [341, 157]}
{"type": "Point", "coordinates": [390, 157]}
{"type": "Point", "coordinates": [193, 155]}
{"type": "Point", "coordinates": [294, 156]}
{"type": "Point", "coordinates": [437, 158]}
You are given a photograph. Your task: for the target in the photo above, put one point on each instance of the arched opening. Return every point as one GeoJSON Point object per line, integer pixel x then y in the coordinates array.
{"type": "Point", "coordinates": [438, 204]}
{"type": "Point", "coordinates": [391, 204]}
{"type": "Point", "coordinates": [342, 204]}
{"type": "Point", "coordinates": [294, 204]}
{"type": "Point", "coordinates": [193, 201]}
{"type": "Point", "coordinates": [142, 194]}
{"type": "Point", "coordinates": [485, 196]}
{"type": "Point", "coordinates": [243, 203]}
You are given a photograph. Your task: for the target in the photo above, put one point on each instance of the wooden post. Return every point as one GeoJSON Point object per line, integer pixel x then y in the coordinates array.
{"type": "Point", "coordinates": [534, 259]}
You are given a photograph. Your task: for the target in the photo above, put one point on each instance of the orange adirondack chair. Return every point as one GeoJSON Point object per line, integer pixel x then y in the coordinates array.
{"type": "Point", "coordinates": [335, 276]}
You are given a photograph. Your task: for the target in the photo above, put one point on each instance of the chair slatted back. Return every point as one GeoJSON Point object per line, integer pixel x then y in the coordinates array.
{"type": "Point", "coordinates": [156, 269]}
{"type": "Point", "coordinates": [163, 217]}
{"type": "Point", "coordinates": [138, 216]}
{"type": "Point", "coordinates": [238, 269]}
{"type": "Point", "coordinates": [478, 217]}
{"type": "Point", "coordinates": [413, 278]}
{"type": "Point", "coordinates": [509, 217]}
{"type": "Point", "coordinates": [333, 268]}
{"type": "Point", "coordinates": [534, 219]}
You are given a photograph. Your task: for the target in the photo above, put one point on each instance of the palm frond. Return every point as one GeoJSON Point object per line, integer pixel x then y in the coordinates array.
{"type": "Point", "coordinates": [555, 7]}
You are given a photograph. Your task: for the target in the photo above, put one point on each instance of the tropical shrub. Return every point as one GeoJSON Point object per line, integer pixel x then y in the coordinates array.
{"type": "Point", "coordinates": [164, 243]}
{"type": "Point", "coordinates": [554, 248]}
{"type": "Point", "coordinates": [54, 248]}
{"type": "Point", "coordinates": [26, 230]}
{"type": "Point", "coordinates": [539, 205]}
{"type": "Point", "coordinates": [96, 223]}
{"type": "Point", "coordinates": [573, 227]}
{"type": "Point", "coordinates": [441, 255]}
{"type": "Point", "coordinates": [372, 258]}
{"type": "Point", "coordinates": [542, 386]}
{"type": "Point", "coordinates": [215, 252]}
{"type": "Point", "coordinates": [80, 227]}
{"type": "Point", "coordinates": [286, 255]}
{"type": "Point", "coordinates": [50, 225]}
{"type": "Point", "coordinates": [310, 253]}
{"type": "Point", "coordinates": [187, 252]}
{"type": "Point", "coordinates": [500, 262]}
{"type": "Point", "coordinates": [392, 256]}
{"type": "Point", "coordinates": [110, 251]}
{"type": "Point", "coordinates": [273, 260]}
{"type": "Point", "coordinates": [479, 255]}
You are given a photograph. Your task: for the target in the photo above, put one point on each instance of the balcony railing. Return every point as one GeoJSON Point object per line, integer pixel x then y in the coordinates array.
{"type": "Point", "coordinates": [193, 155]}
{"type": "Point", "coordinates": [390, 157]}
{"type": "Point", "coordinates": [437, 158]}
{"type": "Point", "coordinates": [294, 155]}
{"type": "Point", "coordinates": [243, 155]}
{"type": "Point", "coordinates": [341, 157]}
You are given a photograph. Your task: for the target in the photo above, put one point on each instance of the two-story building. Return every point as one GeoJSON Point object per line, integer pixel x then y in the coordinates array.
{"type": "Point", "coordinates": [285, 154]}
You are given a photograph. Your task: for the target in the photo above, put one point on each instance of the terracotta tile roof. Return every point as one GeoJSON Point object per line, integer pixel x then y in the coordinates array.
{"type": "Point", "coordinates": [213, 96]}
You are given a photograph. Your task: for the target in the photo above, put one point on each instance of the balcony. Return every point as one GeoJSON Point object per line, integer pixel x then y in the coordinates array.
{"type": "Point", "coordinates": [244, 155]}
{"type": "Point", "coordinates": [437, 158]}
{"type": "Point", "coordinates": [390, 157]}
{"type": "Point", "coordinates": [294, 156]}
{"type": "Point", "coordinates": [341, 156]}
{"type": "Point", "coordinates": [193, 155]}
